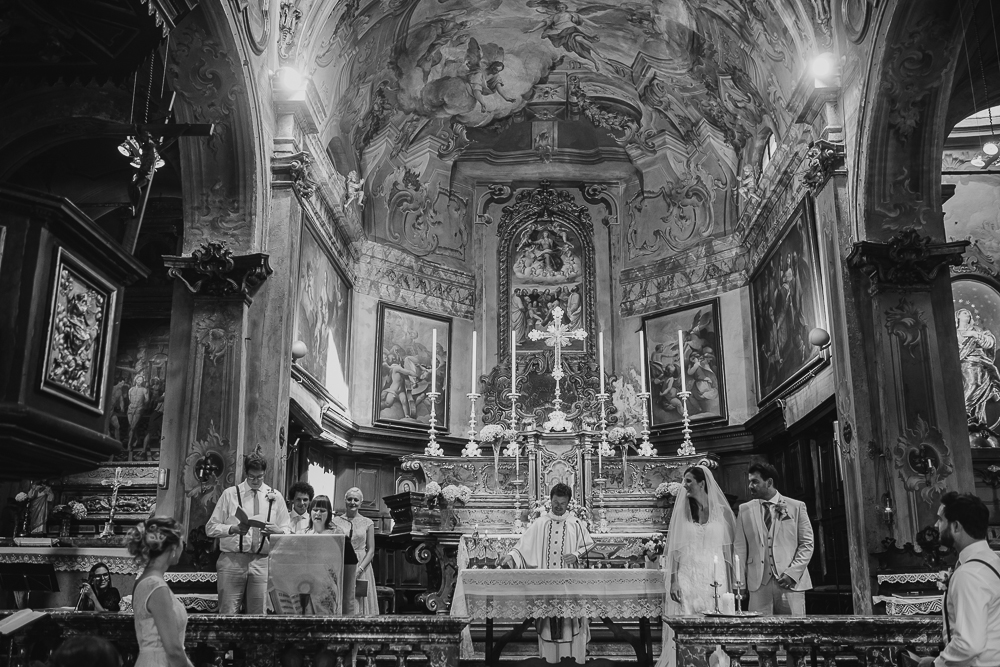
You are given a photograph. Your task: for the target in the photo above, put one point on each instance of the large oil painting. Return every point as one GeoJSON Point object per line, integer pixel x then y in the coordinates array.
{"type": "Point", "coordinates": [404, 365]}
{"type": "Point", "coordinates": [977, 321]}
{"type": "Point", "coordinates": [702, 367]}
{"type": "Point", "coordinates": [322, 317]}
{"type": "Point", "coordinates": [76, 351]}
{"type": "Point", "coordinates": [787, 303]}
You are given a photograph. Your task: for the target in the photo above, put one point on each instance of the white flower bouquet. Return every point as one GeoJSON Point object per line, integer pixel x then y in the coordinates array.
{"type": "Point", "coordinates": [621, 434]}
{"type": "Point", "coordinates": [450, 494]}
{"type": "Point", "coordinates": [22, 497]}
{"type": "Point", "coordinates": [494, 433]}
{"type": "Point", "coordinates": [667, 489]}
{"type": "Point", "coordinates": [72, 509]}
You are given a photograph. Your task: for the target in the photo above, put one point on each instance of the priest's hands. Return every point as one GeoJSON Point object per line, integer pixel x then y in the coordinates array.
{"type": "Point", "coordinates": [570, 560]}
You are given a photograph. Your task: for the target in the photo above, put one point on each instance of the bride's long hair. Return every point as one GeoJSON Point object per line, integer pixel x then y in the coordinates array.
{"type": "Point", "coordinates": [684, 522]}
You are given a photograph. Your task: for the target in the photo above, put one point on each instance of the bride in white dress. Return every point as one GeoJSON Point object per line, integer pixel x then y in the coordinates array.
{"type": "Point", "coordinates": [701, 533]}
{"type": "Point", "coordinates": [160, 618]}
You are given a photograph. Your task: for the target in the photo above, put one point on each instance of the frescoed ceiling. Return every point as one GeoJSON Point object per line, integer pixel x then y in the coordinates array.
{"type": "Point", "coordinates": [687, 89]}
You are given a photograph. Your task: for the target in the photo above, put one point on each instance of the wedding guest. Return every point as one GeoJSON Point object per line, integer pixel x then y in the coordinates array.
{"type": "Point", "coordinates": [97, 593]}
{"type": "Point", "coordinates": [160, 618]}
{"type": "Point", "coordinates": [85, 651]}
{"type": "Point", "coordinates": [972, 602]}
{"type": "Point", "coordinates": [242, 565]}
{"type": "Point", "coordinates": [361, 535]}
{"type": "Point", "coordinates": [774, 540]}
{"type": "Point", "coordinates": [299, 520]}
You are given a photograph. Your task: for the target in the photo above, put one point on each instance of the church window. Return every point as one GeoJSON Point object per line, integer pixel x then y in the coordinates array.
{"type": "Point", "coordinates": [770, 146]}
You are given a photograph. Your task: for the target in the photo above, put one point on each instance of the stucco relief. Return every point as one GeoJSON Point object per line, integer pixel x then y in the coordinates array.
{"type": "Point", "coordinates": [424, 217]}
{"type": "Point", "coordinates": [256, 22]}
{"type": "Point", "coordinates": [218, 217]}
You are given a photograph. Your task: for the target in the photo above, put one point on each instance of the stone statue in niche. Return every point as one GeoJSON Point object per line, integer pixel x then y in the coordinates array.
{"type": "Point", "coordinates": [980, 378]}
{"type": "Point", "coordinates": [355, 190]}
{"type": "Point", "coordinates": [40, 497]}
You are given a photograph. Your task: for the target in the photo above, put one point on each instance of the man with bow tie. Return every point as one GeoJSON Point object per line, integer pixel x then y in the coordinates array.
{"type": "Point", "coordinates": [774, 542]}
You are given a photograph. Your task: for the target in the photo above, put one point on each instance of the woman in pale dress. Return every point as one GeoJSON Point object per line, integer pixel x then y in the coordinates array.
{"type": "Point", "coordinates": [323, 521]}
{"type": "Point", "coordinates": [362, 537]}
{"type": "Point", "coordinates": [160, 618]}
{"type": "Point", "coordinates": [699, 550]}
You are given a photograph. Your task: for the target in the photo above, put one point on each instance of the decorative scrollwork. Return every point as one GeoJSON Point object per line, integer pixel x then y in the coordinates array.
{"type": "Point", "coordinates": [907, 262]}
{"type": "Point", "coordinates": [213, 270]}
{"type": "Point", "coordinates": [302, 182]}
{"type": "Point", "coordinates": [625, 130]}
{"type": "Point", "coordinates": [821, 160]}
{"type": "Point", "coordinates": [923, 460]}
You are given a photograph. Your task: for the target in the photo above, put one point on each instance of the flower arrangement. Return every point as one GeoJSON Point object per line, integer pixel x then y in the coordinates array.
{"type": "Point", "coordinates": [511, 449]}
{"type": "Point", "coordinates": [942, 579]}
{"type": "Point", "coordinates": [72, 509]}
{"type": "Point", "coordinates": [653, 547]}
{"type": "Point", "coordinates": [667, 489]}
{"type": "Point", "coordinates": [452, 493]}
{"type": "Point", "coordinates": [494, 433]}
{"type": "Point", "coordinates": [621, 435]}
{"type": "Point", "coordinates": [574, 508]}
{"type": "Point", "coordinates": [22, 497]}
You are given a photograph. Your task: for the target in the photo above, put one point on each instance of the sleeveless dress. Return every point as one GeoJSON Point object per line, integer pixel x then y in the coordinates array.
{"type": "Point", "coordinates": [357, 528]}
{"type": "Point", "coordinates": [151, 652]}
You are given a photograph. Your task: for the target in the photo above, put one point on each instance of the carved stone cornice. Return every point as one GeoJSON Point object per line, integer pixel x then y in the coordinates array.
{"type": "Point", "coordinates": [908, 262]}
{"type": "Point", "coordinates": [213, 270]}
{"type": "Point", "coordinates": [542, 203]}
{"type": "Point", "coordinates": [297, 167]}
{"type": "Point", "coordinates": [821, 160]}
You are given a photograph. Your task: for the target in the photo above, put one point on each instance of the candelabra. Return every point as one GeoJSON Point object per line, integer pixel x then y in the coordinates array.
{"type": "Point", "coordinates": [645, 447]}
{"type": "Point", "coordinates": [472, 449]}
{"type": "Point", "coordinates": [602, 450]}
{"type": "Point", "coordinates": [433, 448]}
{"type": "Point", "coordinates": [686, 448]}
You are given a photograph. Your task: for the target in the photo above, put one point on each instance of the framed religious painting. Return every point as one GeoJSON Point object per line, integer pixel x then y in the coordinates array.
{"type": "Point", "coordinates": [701, 372]}
{"type": "Point", "coordinates": [78, 338]}
{"type": "Point", "coordinates": [404, 364]}
{"type": "Point", "coordinates": [322, 317]}
{"type": "Point", "coordinates": [786, 295]}
{"type": "Point", "coordinates": [977, 322]}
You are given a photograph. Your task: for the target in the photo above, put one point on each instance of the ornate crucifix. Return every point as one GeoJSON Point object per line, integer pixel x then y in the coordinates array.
{"type": "Point", "coordinates": [556, 335]}
{"type": "Point", "coordinates": [115, 484]}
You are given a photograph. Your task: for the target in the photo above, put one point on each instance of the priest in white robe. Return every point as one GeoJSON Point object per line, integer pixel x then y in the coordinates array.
{"type": "Point", "coordinates": [556, 540]}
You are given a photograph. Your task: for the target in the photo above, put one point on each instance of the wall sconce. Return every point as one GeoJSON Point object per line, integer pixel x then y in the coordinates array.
{"type": "Point", "coordinates": [299, 350]}
{"type": "Point", "coordinates": [819, 338]}
{"type": "Point", "coordinates": [888, 511]}
{"type": "Point", "coordinates": [825, 70]}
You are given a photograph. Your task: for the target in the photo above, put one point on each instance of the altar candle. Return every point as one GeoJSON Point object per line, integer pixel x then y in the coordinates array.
{"type": "Point", "coordinates": [737, 575]}
{"type": "Point", "coordinates": [680, 358]}
{"type": "Point", "coordinates": [513, 367]}
{"type": "Point", "coordinates": [642, 361]}
{"type": "Point", "coordinates": [600, 354]}
{"type": "Point", "coordinates": [715, 562]}
{"type": "Point", "coordinates": [474, 387]}
{"type": "Point", "coordinates": [434, 359]}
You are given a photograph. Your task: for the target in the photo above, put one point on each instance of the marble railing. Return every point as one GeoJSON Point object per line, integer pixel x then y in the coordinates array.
{"type": "Point", "coordinates": [869, 640]}
{"type": "Point", "coordinates": [259, 641]}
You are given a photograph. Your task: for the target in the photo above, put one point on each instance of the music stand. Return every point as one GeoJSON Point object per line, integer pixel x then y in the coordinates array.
{"type": "Point", "coordinates": [28, 577]}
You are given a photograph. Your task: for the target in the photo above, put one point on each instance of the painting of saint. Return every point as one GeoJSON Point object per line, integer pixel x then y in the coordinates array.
{"type": "Point", "coordinates": [405, 362]}
{"type": "Point", "coordinates": [787, 303]}
{"type": "Point", "coordinates": [977, 321]}
{"type": "Point", "coordinates": [321, 317]}
{"type": "Point", "coordinates": [702, 364]}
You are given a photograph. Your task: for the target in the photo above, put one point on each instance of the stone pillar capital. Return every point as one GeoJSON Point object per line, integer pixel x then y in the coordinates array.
{"type": "Point", "coordinates": [296, 169]}
{"type": "Point", "coordinates": [908, 262]}
{"type": "Point", "coordinates": [821, 160]}
{"type": "Point", "coordinates": [213, 270]}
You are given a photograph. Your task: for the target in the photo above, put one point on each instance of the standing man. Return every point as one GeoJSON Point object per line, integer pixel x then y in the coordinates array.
{"type": "Point", "coordinates": [774, 542]}
{"type": "Point", "coordinates": [556, 540]}
{"type": "Point", "coordinates": [972, 601]}
{"type": "Point", "coordinates": [242, 566]}
{"type": "Point", "coordinates": [301, 494]}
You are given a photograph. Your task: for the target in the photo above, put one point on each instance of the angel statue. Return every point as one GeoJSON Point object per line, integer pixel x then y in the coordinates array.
{"type": "Point", "coordinates": [355, 189]}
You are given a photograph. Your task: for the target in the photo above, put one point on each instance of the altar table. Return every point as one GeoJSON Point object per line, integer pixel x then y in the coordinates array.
{"type": "Point", "coordinates": [607, 594]}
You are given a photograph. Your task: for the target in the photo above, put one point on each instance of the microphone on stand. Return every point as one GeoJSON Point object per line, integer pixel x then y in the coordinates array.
{"type": "Point", "coordinates": [83, 595]}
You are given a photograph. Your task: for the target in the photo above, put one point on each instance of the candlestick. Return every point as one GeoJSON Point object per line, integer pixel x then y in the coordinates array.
{"type": "Point", "coordinates": [434, 360]}
{"type": "Point", "coordinates": [433, 448]}
{"type": "Point", "coordinates": [642, 361]}
{"type": "Point", "coordinates": [687, 447]}
{"type": "Point", "coordinates": [680, 358]}
{"type": "Point", "coordinates": [600, 354]}
{"type": "Point", "coordinates": [472, 448]}
{"type": "Point", "coordinates": [475, 384]}
{"type": "Point", "coordinates": [645, 447]}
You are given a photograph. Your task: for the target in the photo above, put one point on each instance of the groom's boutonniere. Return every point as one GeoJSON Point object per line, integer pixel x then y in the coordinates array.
{"type": "Point", "coordinates": [942, 579]}
{"type": "Point", "coordinates": [270, 496]}
{"type": "Point", "coordinates": [781, 511]}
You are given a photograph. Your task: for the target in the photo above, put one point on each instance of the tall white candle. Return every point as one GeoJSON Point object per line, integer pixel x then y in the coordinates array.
{"type": "Point", "coordinates": [513, 364]}
{"type": "Point", "coordinates": [642, 361]}
{"type": "Point", "coordinates": [737, 575]}
{"type": "Point", "coordinates": [474, 383]}
{"type": "Point", "coordinates": [715, 562]}
{"type": "Point", "coordinates": [434, 359]}
{"type": "Point", "coordinates": [600, 354]}
{"type": "Point", "coordinates": [680, 358]}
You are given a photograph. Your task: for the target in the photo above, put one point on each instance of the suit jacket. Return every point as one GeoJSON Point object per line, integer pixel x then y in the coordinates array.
{"type": "Point", "coordinates": [792, 540]}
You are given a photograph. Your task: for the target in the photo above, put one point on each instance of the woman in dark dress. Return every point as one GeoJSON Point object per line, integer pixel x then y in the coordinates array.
{"type": "Point", "coordinates": [97, 593]}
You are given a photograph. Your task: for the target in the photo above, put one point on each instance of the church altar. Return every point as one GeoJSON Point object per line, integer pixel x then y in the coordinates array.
{"type": "Point", "coordinates": [527, 594]}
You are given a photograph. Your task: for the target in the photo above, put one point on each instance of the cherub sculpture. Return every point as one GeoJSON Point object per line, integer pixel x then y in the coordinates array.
{"type": "Point", "coordinates": [355, 189]}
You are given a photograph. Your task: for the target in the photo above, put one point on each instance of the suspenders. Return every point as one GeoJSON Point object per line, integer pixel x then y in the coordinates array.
{"type": "Point", "coordinates": [947, 625]}
{"type": "Point", "coordinates": [270, 506]}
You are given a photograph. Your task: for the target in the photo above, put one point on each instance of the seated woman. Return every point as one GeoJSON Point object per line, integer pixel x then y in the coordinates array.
{"type": "Point", "coordinates": [97, 593]}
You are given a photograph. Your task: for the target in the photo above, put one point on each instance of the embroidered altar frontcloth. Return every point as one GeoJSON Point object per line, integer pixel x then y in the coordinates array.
{"type": "Point", "coordinates": [515, 594]}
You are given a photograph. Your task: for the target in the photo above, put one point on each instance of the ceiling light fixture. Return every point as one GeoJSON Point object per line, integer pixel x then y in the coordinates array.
{"type": "Point", "coordinates": [289, 79]}
{"type": "Point", "coordinates": [823, 68]}
{"type": "Point", "coordinates": [991, 148]}
{"type": "Point", "coordinates": [978, 161]}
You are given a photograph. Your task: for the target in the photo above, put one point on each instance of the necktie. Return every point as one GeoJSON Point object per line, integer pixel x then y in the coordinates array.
{"type": "Point", "coordinates": [255, 539]}
{"type": "Point", "coordinates": [767, 516]}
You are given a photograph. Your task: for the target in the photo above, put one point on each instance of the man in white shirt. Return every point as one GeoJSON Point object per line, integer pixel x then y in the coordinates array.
{"type": "Point", "coordinates": [972, 602]}
{"type": "Point", "coordinates": [242, 566]}
{"type": "Point", "coordinates": [301, 494]}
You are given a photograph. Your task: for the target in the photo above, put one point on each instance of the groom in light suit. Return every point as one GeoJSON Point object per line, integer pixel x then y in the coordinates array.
{"type": "Point", "coordinates": [774, 541]}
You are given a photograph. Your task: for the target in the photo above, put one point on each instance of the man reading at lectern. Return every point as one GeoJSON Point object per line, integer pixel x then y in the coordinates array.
{"type": "Point", "coordinates": [556, 540]}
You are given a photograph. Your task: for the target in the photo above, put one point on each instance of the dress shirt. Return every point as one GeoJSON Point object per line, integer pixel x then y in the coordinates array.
{"type": "Point", "coordinates": [224, 516]}
{"type": "Point", "coordinates": [298, 524]}
{"type": "Point", "coordinates": [973, 611]}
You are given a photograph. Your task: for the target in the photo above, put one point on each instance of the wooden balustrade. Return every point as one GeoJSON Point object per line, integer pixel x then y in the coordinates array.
{"type": "Point", "coordinates": [870, 641]}
{"type": "Point", "coordinates": [257, 641]}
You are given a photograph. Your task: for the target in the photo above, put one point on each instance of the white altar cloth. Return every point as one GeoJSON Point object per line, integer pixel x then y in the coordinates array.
{"type": "Point", "coordinates": [73, 559]}
{"type": "Point", "coordinates": [518, 594]}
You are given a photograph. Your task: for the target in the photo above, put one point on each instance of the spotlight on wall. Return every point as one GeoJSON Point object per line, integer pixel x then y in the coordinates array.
{"type": "Point", "coordinates": [819, 338]}
{"type": "Point", "coordinates": [299, 350]}
{"type": "Point", "coordinates": [991, 148]}
{"type": "Point", "coordinates": [824, 69]}
{"type": "Point", "coordinates": [289, 79]}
